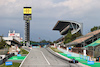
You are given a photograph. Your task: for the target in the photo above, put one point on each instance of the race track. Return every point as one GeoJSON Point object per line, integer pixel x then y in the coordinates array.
{"type": "Point", "coordinates": [40, 57]}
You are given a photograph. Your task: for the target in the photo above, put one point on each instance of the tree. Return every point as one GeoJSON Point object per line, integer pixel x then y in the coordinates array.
{"type": "Point", "coordinates": [69, 37]}
{"type": "Point", "coordinates": [54, 42]}
{"type": "Point", "coordinates": [95, 28]}
{"type": "Point", "coordinates": [33, 42]}
{"type": "Point", "coordinates": [43, 41]}
{"type": "Point", "coordinates": [67, 41]}
{"type": "Point", "coordinates": [2, 43]}
{"type": "Point", "coordinates": [74, 36]}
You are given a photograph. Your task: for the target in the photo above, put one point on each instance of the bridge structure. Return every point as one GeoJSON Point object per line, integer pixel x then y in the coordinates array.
{"type": "Point", "coordinates": [40, 43]}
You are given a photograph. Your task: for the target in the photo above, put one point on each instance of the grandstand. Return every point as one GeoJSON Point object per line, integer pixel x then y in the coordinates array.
{"type": "Point", "coordinates": [88, 44]}
{"type": "Point", "coordinates": [86, 39]}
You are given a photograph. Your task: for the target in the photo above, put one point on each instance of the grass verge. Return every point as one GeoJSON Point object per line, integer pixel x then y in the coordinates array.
{"type": "Point", "coordinates": [23, 51]}
{"type": "Point", "coordinates": [14, 65]}
{"type": "Point", "coordinates": [56, 50]}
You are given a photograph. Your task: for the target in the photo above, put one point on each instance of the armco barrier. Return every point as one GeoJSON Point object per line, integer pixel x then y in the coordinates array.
{"type": "Point", "coordinates": [6, 58]}
{"type": "Point", "coordinates": [1, 61]}
{"type": "Point", "coordinates": [53, 53]}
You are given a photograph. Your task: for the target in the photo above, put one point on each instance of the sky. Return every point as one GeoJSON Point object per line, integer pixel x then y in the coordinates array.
{"type": "Point", "coordinates": [45, 14]}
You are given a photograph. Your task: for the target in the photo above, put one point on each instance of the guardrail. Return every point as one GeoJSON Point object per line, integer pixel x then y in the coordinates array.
{"type": "Point", "coordinates": [6, 58]}
{"type": "Point", "coordinates": [53, 53]}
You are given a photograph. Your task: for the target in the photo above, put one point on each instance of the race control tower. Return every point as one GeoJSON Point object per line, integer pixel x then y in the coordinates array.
{"type": "Point", "coordinates": [27, 12]}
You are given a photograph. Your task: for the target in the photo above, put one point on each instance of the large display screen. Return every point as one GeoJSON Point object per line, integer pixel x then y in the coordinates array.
{"type": "Point", "coordinates": [27, 11]}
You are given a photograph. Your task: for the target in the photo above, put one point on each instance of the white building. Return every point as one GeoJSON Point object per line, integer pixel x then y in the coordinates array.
{"type": "Point", "coordinates": [13, 38]}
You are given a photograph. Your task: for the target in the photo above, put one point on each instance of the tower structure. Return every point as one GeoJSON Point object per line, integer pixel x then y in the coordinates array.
{"type": "Point", "coordinates": [27, 12]}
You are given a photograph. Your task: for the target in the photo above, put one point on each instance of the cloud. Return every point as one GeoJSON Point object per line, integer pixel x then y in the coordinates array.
{"type": "Point", "coordinates": [48, 8]}
{"type": "Point", "coordinates": [45, 13]}
{"type": "Point", "coordinates": [77, 7]}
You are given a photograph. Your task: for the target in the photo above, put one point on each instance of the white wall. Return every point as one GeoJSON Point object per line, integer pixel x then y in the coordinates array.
{"type": "Point", "coordinates": [8, 38]}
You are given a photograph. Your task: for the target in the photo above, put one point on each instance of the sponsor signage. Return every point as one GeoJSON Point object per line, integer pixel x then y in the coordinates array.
{"type": "Point", "coordinates": [88, 58]}
{"type": "Point", "coordinates": [77, 58]}
{"type": "Point", "coordinates": [69, 47]}
{"type": "Point", "coordinates": [8, 63]}
{"type": "Point", "coordinates": [15, 58]}
{"type": "Point", "coordinates": [27, 11]}
{"type": "Point", "coordinates": [68, 55]}
{"type": "Point", "coordinates": [90, 62]}
{"type": "Point", "coordinates": [81, 56]}
{"type": "Point", "coordinates": [12, 34]}
{"type": "Point", "coordinates": [84, 57]}
{"type": "Point", "coordinates": [19, 55]}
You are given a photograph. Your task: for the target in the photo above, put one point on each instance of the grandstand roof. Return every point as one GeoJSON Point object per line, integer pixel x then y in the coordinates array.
{"type": "Point", "coordinates": [60, 25]}
{"type": "Point", "coordinates": [64, 26]}
{"type": "Point", "coordinates": [85, 37]}
{"type": "Point", "coordinates": [97, 42]}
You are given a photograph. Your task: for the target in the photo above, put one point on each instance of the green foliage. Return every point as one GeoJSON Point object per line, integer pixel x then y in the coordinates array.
{"type": "Point", "coordinates": [33, 42]}
{"type": "Point", "coordinates": [69, 37]}
{"type": "Point", "coordinates": [2, 43]}
{"type": "Point", "coordinates": [54, 42]}
{"type": "Point", "coordinates": [44, 41]}
{"type": "Point", "coordinates": [56, 50]}
{"type": "Point", "coordinates": [14, 65]}
{"type": "Point", "coordinates": [74, 36]}
{"type": "Point", "coordinates": [67, 41]}
{"type": "Point", "coordinates": [95, 28]}
{"type": "Point", "coordinates": [24, 51]}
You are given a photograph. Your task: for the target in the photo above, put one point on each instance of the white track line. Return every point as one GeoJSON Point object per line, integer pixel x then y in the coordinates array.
{"type": "Point", "coordinates": [24, 59]}
{"type": "Point", "coordinates": [45, 58]}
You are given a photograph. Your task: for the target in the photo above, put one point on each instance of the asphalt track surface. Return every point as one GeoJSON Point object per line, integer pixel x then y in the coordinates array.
{"type": "Point", "coordinates": [40, 57]}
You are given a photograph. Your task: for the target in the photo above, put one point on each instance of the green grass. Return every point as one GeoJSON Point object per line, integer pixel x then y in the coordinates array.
{"type": "Point", "coordinates": [56, 50]}
{"type": "Point", "coordinates": [24, 51]}
{"type": "Point", "coordinates": [14, 65]}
